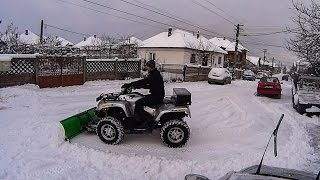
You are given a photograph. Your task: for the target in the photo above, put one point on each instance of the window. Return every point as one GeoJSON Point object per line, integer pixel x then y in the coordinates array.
{"type": "Point", "coordinates": [219, 60]}
{"type": "Point", "coordinates": [193, 58]}
{"type": "Point", "coordinates": [152, 56]}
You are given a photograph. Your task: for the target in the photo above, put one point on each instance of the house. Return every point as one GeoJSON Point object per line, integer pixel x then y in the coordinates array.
{"type": "Point", "coordinates": [29, 38]}
{"type": "Point", "coordinates": [63, 42]}
{"type": "Point", "coordinates": [181, 47]}
{"type": "Point", "coordinates": [129, 47]}
{"type": "Point", "coordinates": [230, 48]}
{"type": "Point", "coordinates": [253, 63]}
{"type": "Point", "coordinates": [92, 46]}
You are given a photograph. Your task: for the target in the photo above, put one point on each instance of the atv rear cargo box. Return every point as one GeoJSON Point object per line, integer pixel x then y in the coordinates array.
{"type": "Point", "coordinates": [181, 96]}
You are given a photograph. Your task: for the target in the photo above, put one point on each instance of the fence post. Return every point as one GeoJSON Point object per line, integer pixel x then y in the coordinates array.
{"type": "Point", "coordinates": [116, 69]}
{"type": "Point", "coordinates": [84, 59]}
{"type": "Point", "coordinates": [36, 69]}
{"type": "Point", "coordinates": [139, 68]}
{"type": "Point", "coordinates": [198, 73]}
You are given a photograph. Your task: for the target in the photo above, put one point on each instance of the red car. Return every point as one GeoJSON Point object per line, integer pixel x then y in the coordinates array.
{"type": "Point", "coordinates": [269, 86]}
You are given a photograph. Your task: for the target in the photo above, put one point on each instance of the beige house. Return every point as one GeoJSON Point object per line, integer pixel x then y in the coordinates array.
{"type": "Point", "coordinates": [181, 47]}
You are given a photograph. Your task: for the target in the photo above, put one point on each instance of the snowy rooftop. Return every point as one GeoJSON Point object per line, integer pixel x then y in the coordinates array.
{"type": "Point", "coordinates": [64, 42]}
{"type": "Point", "coordinates": [90, 41]}
{"type": "Point", "coordinates": [254, 60]}
{"type": "Point", "coordinates": [132, 40]}
{"type": "Point", "coordinates": [29, 38]}
{"type": "Point", "coordinates": [181, 39]}
{"type": "Point", "coordinates": [232, 47]}
{"type": "Point", "coordinates": [221, 42]}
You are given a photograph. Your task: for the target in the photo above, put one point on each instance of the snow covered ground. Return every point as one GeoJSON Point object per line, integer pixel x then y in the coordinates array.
{"type": "Point", "coordinates": [230, 127]}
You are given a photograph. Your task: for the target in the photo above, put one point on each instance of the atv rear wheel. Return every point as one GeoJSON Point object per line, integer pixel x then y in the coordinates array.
{"type": "Point", "coordinates": [175, 133]}
{"type": "Point", "coordinates": [110, 130]}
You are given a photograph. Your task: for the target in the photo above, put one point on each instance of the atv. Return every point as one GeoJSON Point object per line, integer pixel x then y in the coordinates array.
{"type": "Point", "coordinates": [114, 117]}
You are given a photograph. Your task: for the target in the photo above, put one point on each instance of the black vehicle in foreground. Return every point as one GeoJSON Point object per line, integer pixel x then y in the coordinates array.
{"type": "Point", "coordinates": [262, 172]}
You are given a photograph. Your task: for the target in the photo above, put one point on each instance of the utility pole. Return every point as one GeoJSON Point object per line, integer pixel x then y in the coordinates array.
{"type": "Point", "coordinates": [272, 70]}
{"type": "Point", "coordinates": [235, 56]}
{"type": "Point", "coordinates": [264, 55]}
{"type": "Point", "coordinates": [41, 32]}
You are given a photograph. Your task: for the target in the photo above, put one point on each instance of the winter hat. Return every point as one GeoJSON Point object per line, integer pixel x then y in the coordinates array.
{"type": "Point", "coordinates": [151, 64]}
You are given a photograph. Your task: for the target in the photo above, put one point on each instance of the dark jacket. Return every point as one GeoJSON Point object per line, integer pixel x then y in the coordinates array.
{"type": "Point", "coordinates": [154, 82]}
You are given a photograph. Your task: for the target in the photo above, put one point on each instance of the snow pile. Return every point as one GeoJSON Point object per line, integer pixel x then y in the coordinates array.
{"type": "Point", "coordinates": [181, 39]}
{"type": "Point", "coordinates": [229, 132]}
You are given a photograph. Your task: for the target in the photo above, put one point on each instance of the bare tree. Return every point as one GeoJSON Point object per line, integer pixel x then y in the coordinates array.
{"type": "Point", "coordinates": [306, 42]}
{"type": "Point", "coordinates": [201, 49]}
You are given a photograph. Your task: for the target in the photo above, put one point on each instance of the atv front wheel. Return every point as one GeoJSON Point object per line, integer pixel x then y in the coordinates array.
{"type": "Point", "coordinates": [110, 130]}
{"type": "Point", "coordinates": [175, 133]}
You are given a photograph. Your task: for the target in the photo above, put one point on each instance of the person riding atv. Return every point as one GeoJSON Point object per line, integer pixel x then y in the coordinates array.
{"type": "Point", "coordinates": [154, 82]}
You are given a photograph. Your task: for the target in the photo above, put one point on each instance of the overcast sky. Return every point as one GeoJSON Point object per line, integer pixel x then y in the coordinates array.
{"type": "Point", "coordinates": [257, 16]}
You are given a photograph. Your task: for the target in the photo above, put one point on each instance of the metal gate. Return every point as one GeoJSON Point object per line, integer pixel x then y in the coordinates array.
{"type": "Point", "coordinates": [56, 71]}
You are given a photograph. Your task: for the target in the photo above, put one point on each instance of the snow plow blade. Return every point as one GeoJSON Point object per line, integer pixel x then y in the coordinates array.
{"type": "Point", "coordinates": [76, 124]}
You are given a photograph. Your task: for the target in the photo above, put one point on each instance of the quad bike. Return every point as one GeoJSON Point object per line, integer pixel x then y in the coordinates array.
{"type": "Point", "coordinates": [114, 116]}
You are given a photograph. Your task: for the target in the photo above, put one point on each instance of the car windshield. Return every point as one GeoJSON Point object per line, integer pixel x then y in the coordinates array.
{"type": "Point", "coordinates": [270, 79]}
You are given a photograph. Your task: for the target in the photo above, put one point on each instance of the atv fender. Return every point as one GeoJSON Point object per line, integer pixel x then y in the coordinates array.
{"type": "Point", "coordinates": [178, 111]}
{"type": "Point", "coordinates": [105, 105]}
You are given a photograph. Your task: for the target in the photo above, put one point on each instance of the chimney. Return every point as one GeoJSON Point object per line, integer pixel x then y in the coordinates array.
{"type": "Point", "coordinates": [169, 31]}
{"type": "Point", "coordinates": [198, 35]}
{"type": "Point", "coordinates": [27, 32]}
{"type": "Point", "coordinates": [224, 38]}
{"type": "Point", "coordinates": [17, 35]}
{"type": "Point", "coordinates": [84, 38]}
{"type": "Point", "coordinates": [95, 36]}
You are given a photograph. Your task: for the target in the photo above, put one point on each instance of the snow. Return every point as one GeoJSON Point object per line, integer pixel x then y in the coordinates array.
{"type": "Point", "coordinates": [254, 60]}
{"type": "Point", "coordinates": [6, 57]}
{"type": "Point", "coordinates": [181, 39]}
{"type": "Point", "coordinates": [232, 47]}
{"type": "Point", "coordinates": [31, 38]}
{"type": "Point", "coordinates": [90, 41]}
{"type": "Point", "coordinates": [132, 40]}
{"type": "Point", "coordinates": [221, 42]}
{"type": "Point", "coordinates": [64, 42]}
{"type": "Point", "coordinates": [230, 128]}
{"type": "Point", "coordinates": [130, 59]}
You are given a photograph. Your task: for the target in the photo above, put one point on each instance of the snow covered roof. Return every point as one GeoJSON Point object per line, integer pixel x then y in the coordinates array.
{"type": "Point", "coordinates": [254, 60]}
{"type": "Point", "coordinates": [29, 38]}
{"type": "Point", "coordinates": [232, 47]}
{"type": "Point", "coordinates": [221, 42]}
{"type": "Point", "coordinates": [132, 40]}
{"type": "Point", "coordinates": [181, 39]}
{"type": "Point", "coordinates": [64, 42]}
{"type": "Point", "coordinates": [90, 41]}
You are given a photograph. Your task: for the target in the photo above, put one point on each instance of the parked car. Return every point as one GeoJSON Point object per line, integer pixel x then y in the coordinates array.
{"type": "Point", "coordinates": [305, 93]}
{"type": "Point", "coordinates": [219, 75]}
{"type": "Point", "coordinates": [249, 75]}
{"type": "Point", "coordinates": [269, 86]}
{"type": "Point", "coordinates": [261, 75]}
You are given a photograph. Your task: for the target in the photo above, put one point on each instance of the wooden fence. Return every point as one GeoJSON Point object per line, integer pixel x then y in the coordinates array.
{"type": "Point", "coordinates": [55, 71]}
{"type": "Point", "coordinates": [189, 72]}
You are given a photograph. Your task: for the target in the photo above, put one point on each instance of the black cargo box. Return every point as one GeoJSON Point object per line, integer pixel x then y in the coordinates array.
{"type": "Point", "coordinates": [181, 97]}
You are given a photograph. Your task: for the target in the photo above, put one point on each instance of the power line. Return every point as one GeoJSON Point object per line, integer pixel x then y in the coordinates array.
{"type": "Point", "coordinates": [120, 17]}
{"type": "Point", "coordinates": [166, 12]}
{"type": "Point", "coordinates": [267, 33]}
{"type": "Point", "coordinates": [221, 10]}
{"type": "Point", "coordinates": [263, 44]}
{"type": "Point", "coordinates": [55, 27]}
{"type": "Point", "coordinates": [165, 15]}
{"type": "Point", "coordinates": [210, 10]}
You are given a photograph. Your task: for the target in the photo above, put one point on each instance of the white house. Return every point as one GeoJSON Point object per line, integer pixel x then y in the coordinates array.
{"type": "Point", "coordinates": [63, 42]}
{"type": "Point", "coordinates": [181, 47]}
{"type": "Point", "coordinates": [92, 41]}
{"type": "Point", "coordinates": [29, 37]}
